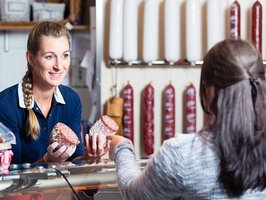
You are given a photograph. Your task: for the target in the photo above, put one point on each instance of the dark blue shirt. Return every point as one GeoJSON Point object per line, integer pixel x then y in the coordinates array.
{"type": "Point", "coordinates": [66, 108]}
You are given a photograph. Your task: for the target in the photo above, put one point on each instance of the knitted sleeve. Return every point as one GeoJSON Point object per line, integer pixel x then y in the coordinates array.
{"type": "Point", "coordinates": [161, 178]}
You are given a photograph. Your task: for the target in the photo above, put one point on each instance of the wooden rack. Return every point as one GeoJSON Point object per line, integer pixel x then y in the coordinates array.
{"type": "Point", "coordinates": [17, 26]}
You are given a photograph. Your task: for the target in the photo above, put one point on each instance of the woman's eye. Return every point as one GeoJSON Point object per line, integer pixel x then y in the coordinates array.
{"type": "Point", "coordinates": [49, 57]}
{"type": "Point", "coordinates": [66, 56]}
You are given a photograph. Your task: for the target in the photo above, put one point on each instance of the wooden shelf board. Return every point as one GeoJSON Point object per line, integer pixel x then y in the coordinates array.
{"type": "Point", "coordinates": [21, 26]}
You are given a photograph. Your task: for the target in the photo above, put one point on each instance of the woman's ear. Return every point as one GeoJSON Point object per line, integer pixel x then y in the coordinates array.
{"type": "Point", "coordinates": [29, 58]}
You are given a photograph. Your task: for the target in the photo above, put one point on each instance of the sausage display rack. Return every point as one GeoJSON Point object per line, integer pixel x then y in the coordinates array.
{"type": "Point", "coordinates": [158, 63]}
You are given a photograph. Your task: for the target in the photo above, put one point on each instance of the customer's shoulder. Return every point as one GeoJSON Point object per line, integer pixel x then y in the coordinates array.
{"type": "Point", "coordinates": [182, 139]}
{"type": "Point", "coordinates": [179, 150]}
{"type": "Point", "coordinates": [186, 143]}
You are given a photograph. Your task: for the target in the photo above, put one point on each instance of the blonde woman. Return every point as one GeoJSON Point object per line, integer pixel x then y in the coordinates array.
{"type": "Point", "coordinates": [31, 108]}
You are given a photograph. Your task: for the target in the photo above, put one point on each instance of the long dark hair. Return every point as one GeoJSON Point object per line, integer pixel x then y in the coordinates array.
{"type": "Point", "coordinates": [235, 69]}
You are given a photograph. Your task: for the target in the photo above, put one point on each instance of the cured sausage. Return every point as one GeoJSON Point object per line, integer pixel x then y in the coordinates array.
{"type": "Point", "coordinates": [130, 31]}
{"type": "Point", "coordinates": [128, 115]}
{"type": "Point", "coordinates": [151, 31]}
{"type": "Point", "coordinates": [214, 22]}
{"type": "Point", "coordinates": [169, 112]}
{"type": "Point", "coordinates": [64, 135]}
{"type": "Point", "coordinates": [148, 116]}
{"type": "Point", "coordinates": [193, 31]}
{"type": "Point", "coordinates": [116, 30]}
{"type": "Point", "coordinates": [235, 20]}
{"type": "Point", "coordinates": [105, 126]}
{"type": "Point", "coordinates": [257, 25]}
{"type": "Point", "coordinates": [172, 31]}
{"type": "Point", "coordinates": [190, 109]}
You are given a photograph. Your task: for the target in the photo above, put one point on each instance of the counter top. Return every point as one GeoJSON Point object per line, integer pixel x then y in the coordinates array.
{"type": "Point", "coordinates": [47, 178]}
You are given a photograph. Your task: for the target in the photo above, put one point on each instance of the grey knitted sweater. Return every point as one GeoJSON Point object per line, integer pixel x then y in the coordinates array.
{"type": "Point", "coordinates": [184, 167]}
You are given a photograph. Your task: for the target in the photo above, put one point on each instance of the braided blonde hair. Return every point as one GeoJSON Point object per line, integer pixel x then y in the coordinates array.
{"type": "Point", "coordinates": [32, 124]}
{"type": "Point", "coordinates": [44, 28]}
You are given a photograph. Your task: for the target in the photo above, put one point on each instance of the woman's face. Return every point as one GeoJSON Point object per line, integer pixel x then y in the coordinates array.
{"type": "Point", "coordinates": [51, 62]}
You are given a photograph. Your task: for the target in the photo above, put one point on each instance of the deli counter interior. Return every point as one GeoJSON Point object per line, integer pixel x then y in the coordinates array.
{"type": "Point", "coordinates": [148, 58]}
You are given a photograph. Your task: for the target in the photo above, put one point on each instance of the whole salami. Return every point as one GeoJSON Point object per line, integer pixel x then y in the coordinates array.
{"type": "Point", "coordinates": [235, 20]}
{"type": "Point", "coordinates": [257, 25]}
{"type": "Point", "coordinates": [128, 115]}
{"type": "Point", "coordinates": [105, 126]}
{"type": "Point", "coordinates": [169, 112]}
{"type": "Point", "coordinates": [190, 109]}
{"type": "Point", "coordinates": [148, 116]}
{"type": "Point", "coordinates": [64, 135]}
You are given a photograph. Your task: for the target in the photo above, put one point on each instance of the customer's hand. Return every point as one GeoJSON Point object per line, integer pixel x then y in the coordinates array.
{"type": "Point", "coordinates": [96, 145]}
{"type": "Point", "coordinates": [56, 153]}
{"type": "Point", "coordinates": [115, 140]}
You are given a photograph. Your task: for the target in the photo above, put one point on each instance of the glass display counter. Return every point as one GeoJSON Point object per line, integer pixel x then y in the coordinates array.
{"type": "Point", "coordinates": [65, 181]}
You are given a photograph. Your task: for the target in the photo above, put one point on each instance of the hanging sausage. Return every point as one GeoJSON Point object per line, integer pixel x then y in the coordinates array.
{"type": "Point", "coordinates": [151, 31]}
{"type": "Point", "coordinates": [190, 109]}
{"type": "Point", "coordinates": [172, 30]}
{"type": "Point", "coordinates": [116, 30]}
{"type": "Point", "coordinates": [257, 25]}
{"type": "Point", "coordinates": [235, 20]}
{"type": "Point", "coordinates": [128, 116]}
{"type": "Point", "coordinates": [193, 31]}
{"type": "Point", "coordinates": [148, 119]}
{"type": "Point", "coordinates": [214, 22]}
{"type": "Point", "coordinates": [169, 112]}
{"type": "Point", "coordinates": [130, 31]}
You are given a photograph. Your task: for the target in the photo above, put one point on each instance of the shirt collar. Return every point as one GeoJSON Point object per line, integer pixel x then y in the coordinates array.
{"type": "Point", "coordinates": [57, 95]}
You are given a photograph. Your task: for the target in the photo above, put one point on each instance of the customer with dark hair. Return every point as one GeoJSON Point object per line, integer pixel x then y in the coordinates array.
{"type": "Point", "coordinates": [226, 159]}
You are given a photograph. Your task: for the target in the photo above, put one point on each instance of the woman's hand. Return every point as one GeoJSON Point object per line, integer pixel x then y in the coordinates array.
{"type": "Point", "coordinates": [56, 153]}
{"type": "Point", "coordinates": [96, 145]}
{"type": "Point", "coordinates": [115, 140]}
